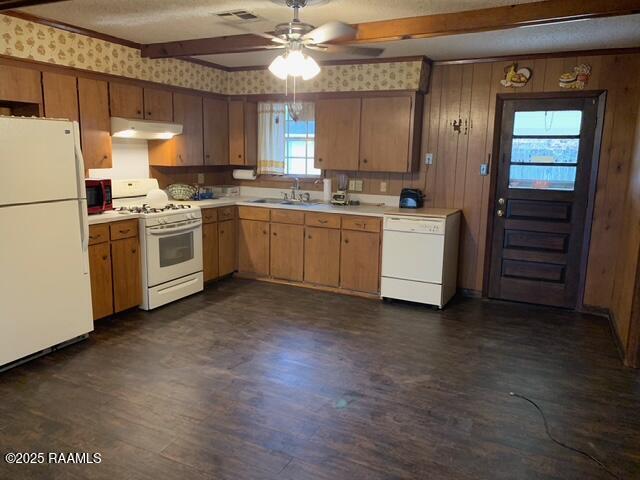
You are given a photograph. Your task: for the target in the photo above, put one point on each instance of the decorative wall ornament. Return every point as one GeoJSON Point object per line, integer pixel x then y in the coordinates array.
{"type": "Point", "coordinates": [577, 78]}
{"type": "Point", "coordinates": [515, 77]}
{"type": "Point", "coordinates": [24, 39]}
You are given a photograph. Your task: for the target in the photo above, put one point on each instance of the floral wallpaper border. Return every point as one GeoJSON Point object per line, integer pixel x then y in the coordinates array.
{"type": "Point", "coordinates": [29, 40]}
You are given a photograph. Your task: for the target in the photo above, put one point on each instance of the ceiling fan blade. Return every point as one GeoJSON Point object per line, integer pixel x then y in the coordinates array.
{"type": "Point", "coordinates": [330, 31]}
{"type": "Point", "coordinates": [350, 50]}
{"type": "Point", "coordinates": [273, 38]}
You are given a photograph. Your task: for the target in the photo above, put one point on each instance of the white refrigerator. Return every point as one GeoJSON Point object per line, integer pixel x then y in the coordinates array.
{"type": "Point", "coordinates": [45, 293]}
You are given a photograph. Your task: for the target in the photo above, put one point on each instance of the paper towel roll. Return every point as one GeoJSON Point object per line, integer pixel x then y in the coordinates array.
{"type": "Point", "coordinates": [326, 189]}
{"type": "Point", "coordinates": [242, 174]}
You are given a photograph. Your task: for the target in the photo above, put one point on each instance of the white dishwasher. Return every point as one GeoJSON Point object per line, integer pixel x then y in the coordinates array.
{"type": "Point", "coordinates": [420, 258]}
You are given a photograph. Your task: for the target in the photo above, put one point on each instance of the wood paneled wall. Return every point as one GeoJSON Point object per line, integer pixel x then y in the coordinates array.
{"type": "Point", "coordinates": [625, 305]}
{"type": "Point", "coordinates": [453, 180]}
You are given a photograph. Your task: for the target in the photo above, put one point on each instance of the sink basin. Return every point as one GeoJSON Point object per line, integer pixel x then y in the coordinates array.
{"type": "Point", "coordinates": [281, 201]}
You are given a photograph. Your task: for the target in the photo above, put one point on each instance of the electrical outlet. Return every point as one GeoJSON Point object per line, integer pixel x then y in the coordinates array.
{"type": "Point", "coordinates": [358, 186]}
{"type": "Point", "coordinates": [383, 186]}
{"type": "Point", "coordinates": [428, 159]}
{"type": "Point", "coordinates": [352, 185]}
{"type": "Point", "coordinates": [201, 178]}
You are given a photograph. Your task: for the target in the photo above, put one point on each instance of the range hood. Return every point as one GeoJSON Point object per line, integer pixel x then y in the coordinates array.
{"type": "Point", "coordinates": [144, 129]}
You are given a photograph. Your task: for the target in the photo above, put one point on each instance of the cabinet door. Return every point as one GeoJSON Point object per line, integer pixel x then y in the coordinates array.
{"type": "Point", "coordinates": [227, 247]}
{"type": "Point", "coordinates": [287, 251]}
{"type": "Point", "coordinates": [236, 132]}
{"type": "Point", "coordinates": [158, 105]}
{"type": "Point", "coordinates": [95, 124]}
{"type": "Point", "coordinates": [210, 251]}
{"type": "Point", "coordinates": [101, 281]}
{"type": "Point", "coordinates": [385, 133]}
{"type": "Point", "coordinates": [216, 132]}
{"type": "Point", "coordinates": [322, 256]}
{"type": "Point", "coordinates": [337, 134]}
{"type": "Point", "coordinates": [127, 286]}
{"type": "Point", "coordinates": [253, 247]}
{"type": "Point", "coordinates": [187, 110]}
{"type": "Point", "coordinates": [125, 100]}
{"type": "Point", "coordinates": [360, 261]}
{"type": "Point", "coordinates": [20, 85]}
{"type": "Point", "coordinates": [60, 96]}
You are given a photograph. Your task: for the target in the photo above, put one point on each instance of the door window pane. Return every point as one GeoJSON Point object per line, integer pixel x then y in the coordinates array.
{"type": "Point", "coordinates": [541, 177]}
{"type": "Point", "coordinates": [545, 150]}
{"type": "Point", "coordinates": [544, 123]}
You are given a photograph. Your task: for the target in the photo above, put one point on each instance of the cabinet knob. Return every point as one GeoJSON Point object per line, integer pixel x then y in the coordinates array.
{"type": "Point", "coordinates": [309, 237]}
{"type": "Point", "coordinates": [239, 155]}
{"type": "Point", "coordinates": [264, 232]}
{"type": "Point", "coordinates": [148, 114]}
{"type": "Point", "coordinates": [138, 112]}
{"type": "Point", "coordinates": [124, 231]}
{"type": "Point", "coordinates": [346, 240]}
{"type": "Point", "coordinates": [275, 234]}
{"type": "Point", "coordinates": [208, 156]}
{"type": "Point", "coordinates": [104, 257]}
{"type": "Point", "coordinates": [364, 160]}
{"type": "Point", "coordinates": [133, 250]}
{"type": "Point", "coordinates": [221, 232]}
{"type": "Point", "coordinates": [105, 157]}
{"type": "Point", "coordinates": [319, 159]}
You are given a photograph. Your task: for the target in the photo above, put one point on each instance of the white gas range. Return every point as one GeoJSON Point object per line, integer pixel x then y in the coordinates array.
{"type": "Point", "coordinates": [171, 243]}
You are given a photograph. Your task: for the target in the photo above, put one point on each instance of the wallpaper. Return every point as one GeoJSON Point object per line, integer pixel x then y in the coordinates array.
{"type": "Point", "coordinates": [24, 39]}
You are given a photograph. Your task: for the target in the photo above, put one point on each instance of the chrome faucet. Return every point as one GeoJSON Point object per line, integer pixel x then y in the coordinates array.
{"type": "Point", "coordinates": [295, 188]}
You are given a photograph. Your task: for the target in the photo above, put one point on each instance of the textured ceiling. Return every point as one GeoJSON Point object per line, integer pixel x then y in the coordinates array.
{"type": "Point", "coordinates": [149, 21]}
{"type": "Point", "coordinates": [613, 32]}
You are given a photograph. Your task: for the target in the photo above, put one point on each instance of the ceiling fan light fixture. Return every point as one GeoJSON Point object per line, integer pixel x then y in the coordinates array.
{"type": "Point", "coordinates": [311, 68]}
{"type": "Point", "coordinates": [294, 63]}
{"type": "Point", "coordinates": [279, 67]}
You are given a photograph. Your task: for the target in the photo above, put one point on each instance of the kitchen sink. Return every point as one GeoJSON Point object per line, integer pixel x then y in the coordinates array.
{"type": "Point", "coordinates": [281, 201]}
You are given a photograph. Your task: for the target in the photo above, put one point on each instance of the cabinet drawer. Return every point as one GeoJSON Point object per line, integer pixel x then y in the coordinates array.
{"type": "Point", "coordinates": [363, 224]}
{"type": "Point", "coordinates": [209, 215]}
{"type": "Point", "coordinates": [125, 229]}
{"type": "Point", "coordinates": [226, 213]}
{"type": "Point", "coordinates": [98, 233]}
{"type": "Point", "coordinates": [253, 213]}
{"type": "Point", "coordinates": [287, 216]}
{"type": "Point", "coordinates": [327, 220]}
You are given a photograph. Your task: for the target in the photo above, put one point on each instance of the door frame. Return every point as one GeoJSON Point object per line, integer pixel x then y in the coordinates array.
{"type": "Point", "coordinates": [600, 98]}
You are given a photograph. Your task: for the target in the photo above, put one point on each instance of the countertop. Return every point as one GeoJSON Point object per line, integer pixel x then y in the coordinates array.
{"type": "Point", "coordinates": [362, 210]}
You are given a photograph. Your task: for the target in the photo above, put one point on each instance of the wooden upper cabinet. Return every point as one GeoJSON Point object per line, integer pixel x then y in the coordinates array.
{"type": "Point", "coordinates": [386, 134]}
{"type": "Point", "coordinates": [360, 261]}
{"type": "Point", "coordinates": [287, 251]}
{"type": "Point", "coordinates": [337, 133]}
{"type": "Point", "coordinates": [243, 132]}
{"type": "Point", "coordinates": [95, 123]}
{"type": "Point", "coordinates": [253, 247]}
{"type": "Point", "coordinates": [216, 132]}
{"type": "Point", "coordinates": [322, 256]}
{"type": "Point", "coordinates": [60, 96]}
{"type": "Point", "coordinates": [125, 100]}
{"type": "Point", "coordinates": [186, 149]}
{"type": "Point", "coordinates": [158, 105]}
{"type": "Point", "coordinates": [20, 85]}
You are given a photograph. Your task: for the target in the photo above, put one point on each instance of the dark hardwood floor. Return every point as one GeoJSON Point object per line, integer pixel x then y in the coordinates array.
{"type": "Point", "coordinates": [252, 380]}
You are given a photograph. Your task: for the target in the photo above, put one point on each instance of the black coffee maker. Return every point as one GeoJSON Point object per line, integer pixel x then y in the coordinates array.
{"type": "Point", "coordinates": [411, 198]}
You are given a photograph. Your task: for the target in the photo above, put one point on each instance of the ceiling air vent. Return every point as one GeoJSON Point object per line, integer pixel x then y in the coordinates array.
{"type": "Point", "coordinates": [238, 16]}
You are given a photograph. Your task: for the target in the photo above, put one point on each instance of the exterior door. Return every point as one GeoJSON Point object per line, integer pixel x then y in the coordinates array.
{"type": "Point", "coordinates": [540, 209]}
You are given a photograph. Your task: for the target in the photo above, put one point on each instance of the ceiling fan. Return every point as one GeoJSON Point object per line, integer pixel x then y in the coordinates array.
{"type": "Point", "coordinates": [296, 36]}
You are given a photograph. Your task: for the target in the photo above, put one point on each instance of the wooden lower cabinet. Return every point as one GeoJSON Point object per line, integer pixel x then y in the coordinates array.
{"type": "Point", "coordinates": [125, 264]}
{"type": "Point", "coordinates": [210, 258]}
{"type": "Point", "coordinates": [360, 261]}
{"type": "Point", "coordinates": [287, 252]}
{"type": "Point", "coordinates": [322, 256]}
{"type": "Point", "coordinates": [101, 280]}
{"type": "Point", "coordinates": [114, 267]}
{"type": "Point", "coordinates": [253, 247]}
{"type": "Point", "coordinates": [227, 246]}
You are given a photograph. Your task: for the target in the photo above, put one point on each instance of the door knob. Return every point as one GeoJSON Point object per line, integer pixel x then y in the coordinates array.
{"type": "Point", "coordinates": [501, 202]}
{"type": "Point", "coordinates": [500, 213]}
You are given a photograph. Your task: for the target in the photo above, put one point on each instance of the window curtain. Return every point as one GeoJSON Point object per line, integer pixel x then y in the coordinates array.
{"type": "Point", "coordinates": [271, 138]}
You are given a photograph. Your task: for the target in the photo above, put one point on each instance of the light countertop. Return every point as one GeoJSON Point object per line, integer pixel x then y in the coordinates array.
{"type": "Point", "coordinates": [362, 210]}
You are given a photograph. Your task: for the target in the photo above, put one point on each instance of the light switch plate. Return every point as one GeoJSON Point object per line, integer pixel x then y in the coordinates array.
{"type": "Point", "coordinates": [428, 159]}
{"type": "Point", "coordinates": [352, 185]}
{"type": "Point", "coordinates": [357, 185]}
{"type": "Point", "coordinates": [383, 187]}
{"type": "Point", "coordinates": [484, 169]}
{"type": "Point", "coordinates": [201, 178]}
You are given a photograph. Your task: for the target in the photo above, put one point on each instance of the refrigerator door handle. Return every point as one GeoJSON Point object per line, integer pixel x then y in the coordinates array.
{"type": "Point", "coordinates": [82, 191]}
{"type": "Point", "coordinates": [84, 234]}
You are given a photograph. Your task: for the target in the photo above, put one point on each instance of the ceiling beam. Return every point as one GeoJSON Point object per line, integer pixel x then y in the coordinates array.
{"type": "Point", "coordinates": [470, 21]}
{"type": "Point", "coordinates": [11, 4]}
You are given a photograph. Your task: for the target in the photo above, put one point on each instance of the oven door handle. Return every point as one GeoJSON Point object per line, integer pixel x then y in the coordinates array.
{"type": "Point", "coordinates": [164, 231]}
